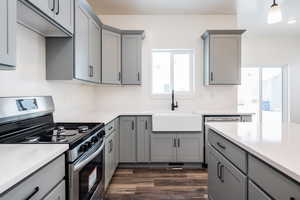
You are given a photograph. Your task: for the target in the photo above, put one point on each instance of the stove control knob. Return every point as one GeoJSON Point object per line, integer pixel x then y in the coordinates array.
{"type": "Point", "coordinates": [89, 144]}
{"type": "Point", "coordinates": [83, 148]}
{"type": "Point", "coordinates": [95, 139]}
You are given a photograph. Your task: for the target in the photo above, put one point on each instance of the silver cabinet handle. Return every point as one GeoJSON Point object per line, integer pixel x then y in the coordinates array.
{"type": "Point", "coordinates": [91, 71]}
{"type": "Point", "coordinates": [119, 76]}
{"type": "Point", "coordinates": [132, 125]}
{"type": "Point", "coordinates": [138, 76]}
{"type": "Point", "coordinates": [211, 76]}
{"type": "Point", "coordinates": [222, 173]}
{"type": "Point", "coordinates": [178, 142]}
{"type": "Point", "coordinates": [146, 125]}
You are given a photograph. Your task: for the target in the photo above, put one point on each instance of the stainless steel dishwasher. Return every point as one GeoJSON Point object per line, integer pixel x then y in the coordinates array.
{"type": "Point", "coordinates": [221, 118]}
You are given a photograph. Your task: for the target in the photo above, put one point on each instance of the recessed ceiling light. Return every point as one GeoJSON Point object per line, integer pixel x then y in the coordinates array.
{"type": "Point", "coordinates": [292, 21]}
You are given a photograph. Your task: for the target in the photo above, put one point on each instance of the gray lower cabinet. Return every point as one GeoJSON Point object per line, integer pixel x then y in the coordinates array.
{"type": "Point", "coordinates": [225, 181]}
{"type": "Point", "coordinates": [131, 59]}
{"type": "Point", "coordinates": [271, 181]}
{"type": "Point", "coordinates": [190, 147]}
{"type": "Point", "coordinates": [128, 139]}
{"type": "Point", "coordinates": [117, 142]}
{"type": "Point", "coordinates": [58, 193]}
{"type": "Point", "coordinates": [36, 186]}
{"type": "Point", "coordinates": [254, 193]}
{"type": "Point", "coordinates": [109, 158]}
{"type": "Point", "coordinates": [185, 147]}
{"type": "Point", "coordinates": [222, 57]}
{"type": "Point", "coordinates": [111, 57]}
{"type": "Point", "coordinates": [8, 12]}
{"type": "Point", "coordinates": [144, 130]}
{"type": "Point", "coordinates": [163, 147]}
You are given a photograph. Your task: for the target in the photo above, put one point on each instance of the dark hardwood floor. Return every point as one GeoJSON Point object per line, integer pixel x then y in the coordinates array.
{"type": "Point", "coordinates": [158, 184]}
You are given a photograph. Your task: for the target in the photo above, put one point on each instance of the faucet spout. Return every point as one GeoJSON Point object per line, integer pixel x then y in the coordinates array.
{"type": "Point", "coordinates": [173, 105]}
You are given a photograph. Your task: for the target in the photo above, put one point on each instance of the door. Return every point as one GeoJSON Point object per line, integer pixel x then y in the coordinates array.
{"type": "Point", "coordinates": [108, 159]}
{"type": "Point", "coordinates": [128, 139]}
{"type": "Point", "coordinates": [214, 183]}
{"type": "Point", "coordinates": [225, 59]}
{"type": "Point", "coordinates": [94, 51]}
{"type": "Point", "coordinates": [82, 45]}
{"type": "Point", "coordinates": [47, 6]}
{"type": "Point", "coordinates": [190, 147]}
{"type": "Point", "coordinates": [63, 13]}
{"type": "Point", "coordinates": [144, 130]}
{"type": "Point", "coordinates": [163, 147]}
{"type": "Point", "coordinates": [8, 25]}
{"type": "Point", "coordinates": [117, 141]}
{"type": "Point", "coordinates": [111, 57]}
{"type": "Point", "coordinates": [131, 59]}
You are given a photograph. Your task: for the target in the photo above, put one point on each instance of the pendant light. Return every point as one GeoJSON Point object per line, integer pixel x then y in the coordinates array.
{"type": "Point", "coordinates": [275, 14]}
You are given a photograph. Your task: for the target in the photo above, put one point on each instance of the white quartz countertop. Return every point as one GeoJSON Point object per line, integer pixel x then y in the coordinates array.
{"type": "Point", "coordinates": [274, 142]}
{"type": "Point", "coordinates": [21, 160]}
{"type": "Point", "coordinates": [106, 117]}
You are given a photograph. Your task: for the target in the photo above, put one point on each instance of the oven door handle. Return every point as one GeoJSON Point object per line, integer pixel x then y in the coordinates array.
{"type": "Point", "coordinates": [80, 165]}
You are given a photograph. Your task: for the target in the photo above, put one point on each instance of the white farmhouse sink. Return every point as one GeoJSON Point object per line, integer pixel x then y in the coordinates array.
{"type": "Point", "coordinates": [176, 122]}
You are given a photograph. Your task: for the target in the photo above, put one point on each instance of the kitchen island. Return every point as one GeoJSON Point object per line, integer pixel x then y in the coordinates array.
{"type": "Point", "coordinates": [254, 161]}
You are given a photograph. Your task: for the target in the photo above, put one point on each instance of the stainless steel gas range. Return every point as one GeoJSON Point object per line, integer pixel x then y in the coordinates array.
{"type": "Point", "coordinates": [30, 120]}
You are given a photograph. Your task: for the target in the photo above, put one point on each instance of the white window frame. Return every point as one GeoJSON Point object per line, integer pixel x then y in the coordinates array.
{"type": "Point", "coordinates": [285, 90]}
{"type": "Point", "coordinates": [181, 95]}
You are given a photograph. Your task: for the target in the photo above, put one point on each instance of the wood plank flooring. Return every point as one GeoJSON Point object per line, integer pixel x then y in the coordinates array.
{"type": "Point", "coordinates": [158, 184]}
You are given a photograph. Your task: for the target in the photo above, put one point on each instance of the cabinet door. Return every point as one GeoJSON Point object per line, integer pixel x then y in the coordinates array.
{"type": "Point", "coordinates": [128, 139]}
{"type": "Point", "coordinates": [8, 25]}
{"type": "Point", "coordinates": [131, 59]}
{"type": "Point", "coordinates": [94, 51]}
{"type": "Point", "coordinates": [144, 130]}
{"type": "Point", "coordinates": [107, 161]}
{"type": "Point", "coordinates": [254, 193]}
{"type": "Point", "coordinates": [225, 59]}
{"type": "Point", "coordinates": [58, 193]}
{"type": "Point", "coordinates": [117, 141]}
{"type": "Point", "coordinates": [163, 147]}
{"type": "Point", "coordinates": [82, 44]}
{"type": "Point", "coordinates": [214, 183]}
{"type": "Point", "coordinates": [47, 6]}
{"type": "Point", "coordinates": [63, 13]}
{"type": "Point", "coordinates": [190, 147]}
{"type": "Point", "coordinates": [111, 57]}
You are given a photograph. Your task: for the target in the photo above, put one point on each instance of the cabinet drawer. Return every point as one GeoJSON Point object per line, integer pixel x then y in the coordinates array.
{"type": "Point", "coordinates": [254, 193]}
{"type": "Point", "coordinates": [110, 128]}
{"type": "Point", "coordinates": [235, 154]}
{"type": "Point", "coordinates": [58, 193]}
{"type": "Point", "coordinates": [274, 183]}
{"type": "Point", "coordinates": [39, 183]}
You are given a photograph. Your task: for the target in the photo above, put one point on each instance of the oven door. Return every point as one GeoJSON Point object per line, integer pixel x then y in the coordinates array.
{"type": "Point", "coordinates": [86, 176]}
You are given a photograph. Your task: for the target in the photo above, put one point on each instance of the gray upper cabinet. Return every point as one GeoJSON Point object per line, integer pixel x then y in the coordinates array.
{"type": "Point", "coordinates": [128, 139]}
{"type": "Point", "coordinates": [51, 18]}
{"type": "Point", "coordinates": [222, 57]}
{"type": "Point", "coordinates": [82, 69]}
{"type": "Point", "coordinates": [111, 57]}
{"type": "Point", "coordinates": [94, 52]}
{"type": "Point", "coordinates": [144, 130]}
{"type": "Point", "coordinates": [64, 13]}
{"type": "Point", "coordinates": [190, 147]}
{"type": "Point", "coordinates": [7, 34]}
{"type": "Point", "coordinates": [131, 59]}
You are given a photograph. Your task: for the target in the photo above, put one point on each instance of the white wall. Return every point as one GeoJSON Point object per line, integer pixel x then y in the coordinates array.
{"type": "Point", "coordinates": [71, 99]}
{"type": "Point", "coordinates": [277, 50]}
{"type": "Point", "coordinates": [166, 32]}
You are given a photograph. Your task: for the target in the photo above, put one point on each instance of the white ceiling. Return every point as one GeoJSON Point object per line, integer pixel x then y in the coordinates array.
{"type": "Point", "coordinates": [251, 14]}
{"type": "Point", "coordinates": [112, 7]}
